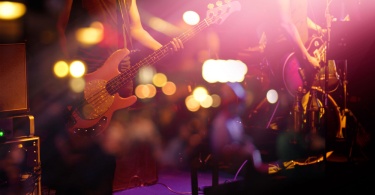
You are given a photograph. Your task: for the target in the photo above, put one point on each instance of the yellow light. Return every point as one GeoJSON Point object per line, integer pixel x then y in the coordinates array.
{"type": "Point", "coordinates": [200, 93]}
{"type": "Point", "coordinates": [159, 79]}
{"type": "Point", "coordinates": [207, 102]}
{"type": "Point", "coordinates": [151, 90]}
{"type": "Point", "coordinates": [91, 35]}
{"type": "Point", "coordinates": [11, 10]}
{"type": "Point", "coordinates": [77, 69]}
{"type": "Point", "coordinates": [139, 91]}
{"type": "Point", "coordinates": [142, 91]}
{"type": "Point", "coordinates": [192, 104]}
{"type": "Point", "coordinates": [77, 84]}
{"type": "Point", "coordinates": [61, 69]}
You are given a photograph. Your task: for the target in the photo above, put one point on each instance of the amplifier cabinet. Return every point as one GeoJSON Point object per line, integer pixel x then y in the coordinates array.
{"type": "Point", "coordinates": [20, 166]}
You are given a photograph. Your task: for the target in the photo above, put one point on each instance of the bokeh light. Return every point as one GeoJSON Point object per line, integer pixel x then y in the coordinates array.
{"type": "Point", "coordinates": [200, 94]}
{"type": "Point", "coordinates": [144, 91]}
{"type": "Point", "coordinates": [91, 35]}
{"type": "Point", "coordinates": [192, 104]}
{"type": "Point", "coordinates": [61, 69]}
{"type": "Point", "coordinates": [11, 10]}
{"type": "Point", "coordinates": [223, 71]}
{"type": "Point", "coordinates": [77, 69]}
{"type": "Point", "coordinates": [272, 96]}
{"type": "Point", "coordinates": [159, 79]}
{"type": "Point", "coordinates": [152, 90]}
{"type": "Point", "coordinates": [169, 88]}
{"type": "Point", "coordinates": [207, 102]}
{"type": "Point", "coordinates": [216, 100]}
{"type": "Point", "coordinates": [146, 74]}
{"type": "Point", "coordinates": [191, 18]}
{"type": "Point", "coordinates": [77, 84]}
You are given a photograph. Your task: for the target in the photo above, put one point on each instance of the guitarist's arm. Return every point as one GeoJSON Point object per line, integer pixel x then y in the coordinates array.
{"type": "Point", "coordinates": [290, 29]}
{"type": "Point", "coordinates": [316, 27]}
{"type": "Point", "coordinates": [141, 35]}
{"type": "Point", "coordinates": [61, 26]}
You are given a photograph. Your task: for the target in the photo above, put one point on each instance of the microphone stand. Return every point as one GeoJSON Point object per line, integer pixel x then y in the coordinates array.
{"type": "Point", "coordinates": [326, 77]}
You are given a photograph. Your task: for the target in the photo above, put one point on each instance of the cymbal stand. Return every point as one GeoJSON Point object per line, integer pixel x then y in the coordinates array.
{"type": "Point", "coordinates": [326, 74]}
{"type": "Point", "coordinates": [346, 112]}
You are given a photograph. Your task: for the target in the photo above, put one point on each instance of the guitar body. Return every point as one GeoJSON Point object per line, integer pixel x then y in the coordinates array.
{"type": "Point", "coordinates": [297, 73]}
{"type": "Point", "coordinates": [92, 117]}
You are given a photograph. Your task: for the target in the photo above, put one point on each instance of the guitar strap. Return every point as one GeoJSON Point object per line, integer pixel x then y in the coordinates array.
{"type": "Point", "coordinates": [124, 38]}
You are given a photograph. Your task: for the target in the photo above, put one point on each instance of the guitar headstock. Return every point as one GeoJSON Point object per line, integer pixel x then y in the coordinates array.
{"type": "Point", "coordinates": [222, 10]}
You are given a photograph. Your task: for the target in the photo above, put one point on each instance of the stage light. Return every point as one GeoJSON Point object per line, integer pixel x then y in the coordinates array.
{"type": "Point", "coordinates": [169, 88]}
{"type": "Point", "coordinates": [77, 69]}
{"type": "Point", "coordinates": [91, 35]}
{"type": "Point", "coordinates": [77, 84]}
{"type": "Point", "coordinates": [272, 96]}
{"type": "Point", "coordinates": [146, 74]}
{"type": "Point", "coordinates": [61, 69]}
{"type": "Point", "coordinates": [191, 18]}
{"type": "Point", "coordinates": [200, 94]}
{"type": "Point", "coordinates": [223, 71]}
{"type": "Point", "coordinates": [191, 103]}
{"type": "Point", "coordinates": [11, 10]}
{"type": "Point", "coordinates": [159, 79]}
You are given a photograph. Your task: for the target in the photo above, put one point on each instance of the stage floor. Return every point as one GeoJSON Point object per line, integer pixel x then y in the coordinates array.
{"type": "Point", "coordinates": [336, 175]}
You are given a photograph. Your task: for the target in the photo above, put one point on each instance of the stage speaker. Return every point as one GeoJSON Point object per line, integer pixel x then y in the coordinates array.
{"type": "Point", "coordinates": [16, 127]}
{"type": "Point", "coordinates": [20, 170]}
{"type": "Point", "coordinates": [137, 168]}
{"type": "Point", "coordinates": [13, 80]}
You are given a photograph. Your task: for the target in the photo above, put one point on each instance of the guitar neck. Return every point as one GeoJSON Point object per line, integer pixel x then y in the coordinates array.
{"type": "Point", "coordinates": [214, 15]}
{"type": "Point", "coordinates": [167, 49]}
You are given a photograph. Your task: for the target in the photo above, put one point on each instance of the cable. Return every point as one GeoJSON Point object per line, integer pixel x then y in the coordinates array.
{"type": "Point", "coordinates": [170, 189]}
{"type": "Point", "coordinates": [238, 171]}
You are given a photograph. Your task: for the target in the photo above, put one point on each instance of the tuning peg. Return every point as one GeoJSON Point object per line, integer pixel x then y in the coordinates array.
{"type": "Point", "coordinates": [219, 3]}
{"type": "Point", "coordinates": [210, 6]}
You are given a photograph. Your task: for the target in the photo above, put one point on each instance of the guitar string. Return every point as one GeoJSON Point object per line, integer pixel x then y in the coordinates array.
{"type": "Point", "coordinates": [97, 98]}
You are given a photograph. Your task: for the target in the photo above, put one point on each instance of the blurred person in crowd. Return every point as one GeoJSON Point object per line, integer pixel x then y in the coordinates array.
{"type": "Point", "coordinates": [228, 138]}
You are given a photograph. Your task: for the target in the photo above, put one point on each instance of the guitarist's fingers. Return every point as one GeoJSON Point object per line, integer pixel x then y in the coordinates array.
{"type": "Point", "coordinates": [177, 44]}
{"type": "Point", "coordinates": [314, 63]}
{"type": "Point", "coordinates": [125, 50]}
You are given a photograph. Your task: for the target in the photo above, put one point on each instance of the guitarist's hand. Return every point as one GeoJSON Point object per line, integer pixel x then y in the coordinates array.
{"type": "Point", "coordinates": [177, 44]}
{"type": "Point", "coordinates": [314, 63]}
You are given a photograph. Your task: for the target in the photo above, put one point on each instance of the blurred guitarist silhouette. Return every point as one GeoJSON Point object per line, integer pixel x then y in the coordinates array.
{"type": "Point", "coordinates": [120, 23]}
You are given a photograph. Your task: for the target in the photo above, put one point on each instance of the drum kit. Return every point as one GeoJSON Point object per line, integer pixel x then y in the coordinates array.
{"type": "Point", "coordinates": [314, 110]}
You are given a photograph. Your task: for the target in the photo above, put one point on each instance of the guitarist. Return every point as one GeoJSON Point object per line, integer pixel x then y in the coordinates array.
{"type": "Point", "coordinates": [90, 169]}
{"type": "Point", "coordinates": [286, 28]}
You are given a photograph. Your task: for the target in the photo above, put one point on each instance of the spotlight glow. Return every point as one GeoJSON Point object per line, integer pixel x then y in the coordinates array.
{"type": "Point", "coordinates": [77, 69]}
{"type": "Point", "coordinates": [272, 96]}
{"type": "Point", "coordinates": [191, 18]}
{"type": "Point", "coordinates": [61, 69]}
{"type": "Point", "coordinates": [11, 10]}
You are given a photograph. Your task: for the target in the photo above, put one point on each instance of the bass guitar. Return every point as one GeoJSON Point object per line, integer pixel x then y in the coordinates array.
{"type": "Point", "coordinates": [91, 116]}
